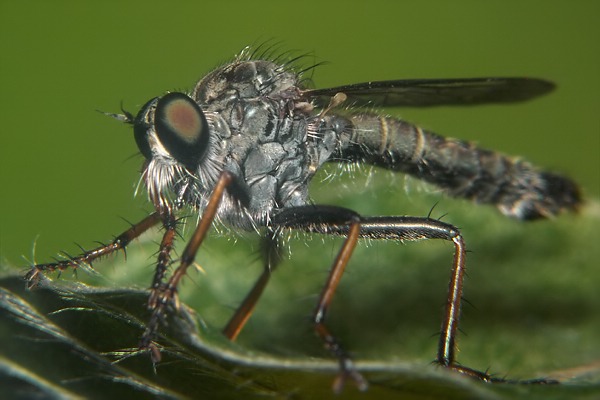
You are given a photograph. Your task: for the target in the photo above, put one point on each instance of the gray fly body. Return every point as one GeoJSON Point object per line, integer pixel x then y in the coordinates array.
{"type": "Point", "coordinates": [267, 130]}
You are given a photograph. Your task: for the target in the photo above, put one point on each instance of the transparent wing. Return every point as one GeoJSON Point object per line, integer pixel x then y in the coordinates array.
{"type": "Point", "coordinates": [435, 92]}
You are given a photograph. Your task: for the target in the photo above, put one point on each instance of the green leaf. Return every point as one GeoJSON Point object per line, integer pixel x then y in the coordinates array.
{"type": "Point", "coordinates": [532, 312]}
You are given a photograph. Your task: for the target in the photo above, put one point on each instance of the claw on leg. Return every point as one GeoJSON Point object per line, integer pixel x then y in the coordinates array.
{"type": "Point", "coordinates": [348, 371]}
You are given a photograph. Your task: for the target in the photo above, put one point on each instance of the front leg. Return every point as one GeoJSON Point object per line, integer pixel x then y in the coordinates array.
{"type": "Point", "coordinates": [163, 295]}
{"type": "Point", "coordinates": [87, 257]}
{"type": "Point", "coordinates": [164, 259]}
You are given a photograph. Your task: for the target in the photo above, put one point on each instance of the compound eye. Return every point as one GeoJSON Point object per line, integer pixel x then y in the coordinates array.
{"type": "Point", "coordinates": [182, 128]}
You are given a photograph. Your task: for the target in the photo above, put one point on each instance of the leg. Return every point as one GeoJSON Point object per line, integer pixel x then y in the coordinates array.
{"type": "Point", "coordinates": [347, 369]}
{"type": "Point", "coordinates": [165, 294]}
{"type": "Point", "coordinates": [164, 258]}
{"type": "Point", "coordinates": [119, 243]}
{"type": "Point", "coordinates": [416, 228]}
{"type": "Point", "coordinates": [339, 221]}
{"type": "Point", "coordinates": [244, 311]}
{"type": "Point", "coordinates": [321, 219]}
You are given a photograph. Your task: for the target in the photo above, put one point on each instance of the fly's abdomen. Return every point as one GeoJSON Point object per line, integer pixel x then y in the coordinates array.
{"type": "Point", "coordinates": [462, 169]}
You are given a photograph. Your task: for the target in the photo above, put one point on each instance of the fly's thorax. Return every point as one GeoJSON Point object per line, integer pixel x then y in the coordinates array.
{"type": "Point", "coordinates": [246, 79]}
{"type": "Point", "coordinates": [269, 153]}
{"type": "Point", "coordinates": [268, 148]}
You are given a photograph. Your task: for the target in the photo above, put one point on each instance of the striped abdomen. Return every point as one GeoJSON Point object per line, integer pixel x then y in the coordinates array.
{"type": "Point", "coordinates": [516, 187]}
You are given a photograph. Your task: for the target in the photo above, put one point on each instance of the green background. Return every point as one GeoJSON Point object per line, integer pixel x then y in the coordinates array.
{"type": "Point", "coordinates": [68, 173]}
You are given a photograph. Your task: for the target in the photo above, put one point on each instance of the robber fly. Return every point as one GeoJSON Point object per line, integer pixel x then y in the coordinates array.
{"type": "Point", "coordinates": [243, 145]}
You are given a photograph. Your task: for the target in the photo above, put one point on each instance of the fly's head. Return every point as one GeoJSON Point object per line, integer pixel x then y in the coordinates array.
{"type": "Point", "coordinates": [178, 143]}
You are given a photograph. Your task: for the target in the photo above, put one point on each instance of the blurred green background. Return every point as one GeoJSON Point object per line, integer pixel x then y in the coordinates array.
{"type": "Point", "coordinates": [68, 173]}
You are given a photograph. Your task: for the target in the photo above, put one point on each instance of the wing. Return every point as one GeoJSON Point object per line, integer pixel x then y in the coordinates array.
{"type": "Point", "coordinates": [435, 92]}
